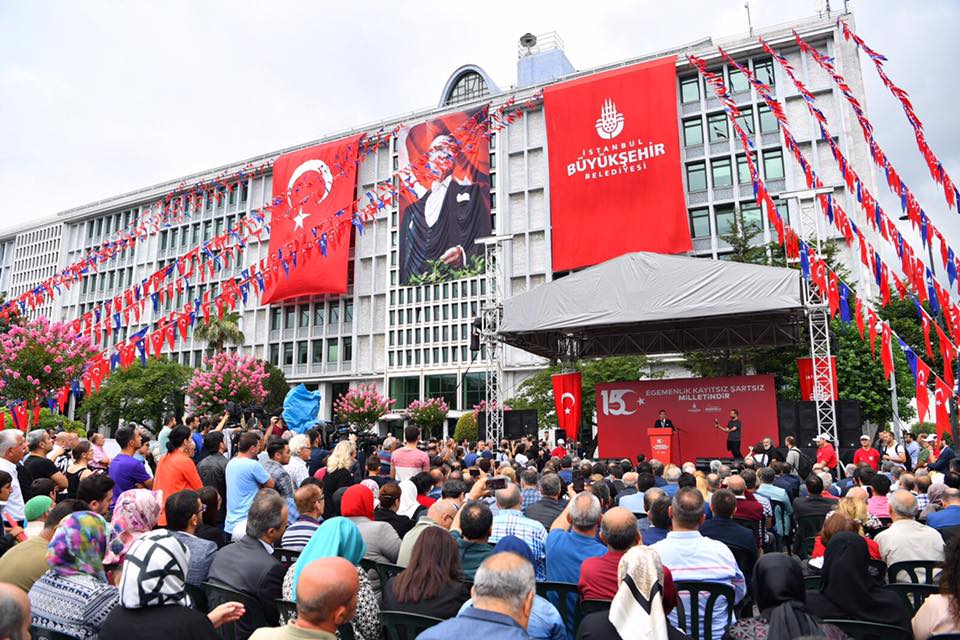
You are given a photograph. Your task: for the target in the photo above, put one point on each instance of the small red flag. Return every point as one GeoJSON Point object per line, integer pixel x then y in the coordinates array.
{"type": "Point", "coordinates": [942, 401]}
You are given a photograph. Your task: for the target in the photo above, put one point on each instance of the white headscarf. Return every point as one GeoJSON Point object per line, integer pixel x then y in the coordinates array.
{"type": "Point", "coordinates": [637, 608]}
{"type": "Point", "coordinates": [408, 499]}
{"type": "Point", "coordinates": [154, 572]}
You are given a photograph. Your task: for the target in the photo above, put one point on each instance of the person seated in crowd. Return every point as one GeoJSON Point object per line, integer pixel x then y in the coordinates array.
{"type": "Point", "coordinates": [837, 523]}
{"type": "Point", "coordinates": [747, 508]}
{"type": "Point", "coordinates": [814, 504]}
{"type": "Point", "coordinates": [690, 556]}
{"type": "Point", "coordinates": [598, 578]}
{"type": "Point", "coordinates": [14, 613]}
{"type": "Point", "coordinates": [176, 470]}
{"type": "Point", "coordinates": [722, 528]}
{"type": "Point", "coordinates": [409, 507]}
{"type": "Point", "coordinates": [658, 516]}
{"type": "Point", "coordinates": [639, 608]}
{"type": "Point", "coordinates": [550, 505]}
{"type": "Point", "coordinates": [441, 514]}
{"type": "Point", "coordinates": [36, 509]}
{"type": "Point", "coordinates": [383, 543]}
{"type": "Point", "coordinates": [849, 592]}
{"type": "Point", "coordinates": [74, 597]}
{"type": "Point", "coordinates": [922, 483]}
{"type": "Point", "coordinates": [767, 489]}
{"type": "Point", "coordinates": [877, 504]}
{"type": "Point", "coordinates": [629, 488]}
{"type": "Point", "coordinates": [26, 562]}
{"type": "Point", "coordinates": [184, 515]}
{"type": "Point", "coordinates": [309, 499]}
{"type": "Point", "coordinates": [248, 565]}
{"type": "Point", "coordinates": [327, 598]}
{"type": "Point", "coordinates": [634, 502]}
{"type": "Point", "coordinates": [671, 476]}
{"type": "Point", "coordinates": [781, 596]}
{"type": "Point", "coordinates": [153, 601]}
{"type": "Point", "coordinates": [906, 539]}
{"type": "Point", "coordinates": [211, 517]}
{"type": "Point", "coordinates": [135, 513]}
{"type": "Point", "coordinates": [949, 516]}
{"type": "Point", "coordinates": [543, 620]}
{"type": "Point", "coordinates": [855, 506]}
{"type": "Point", "coordinates": [97, 491]}
{"type": "Point", "coordinates": [940, 613]}
{"type": "Point", "coordinates": [433, 583]}
{"type": "Point", "coordinates": [471, 529]}
{"type": "Point", "coordinates": [388, 509]}
{"type": "Point", "coordinates": [509, 521]}
{"type": "Point", "coordinates": [339, 538]}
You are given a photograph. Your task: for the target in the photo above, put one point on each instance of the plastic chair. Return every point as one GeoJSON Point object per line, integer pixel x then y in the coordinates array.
{"type": "Point", "coordinates": [948, 534]}
{"type": "Point", "coordinates": [563, 603]}
{"type": "Point", "coordinates": [198, 596]}
{"type": "Point", "coordinates": [286, 556]}
{"type": "Point", "coordinates": [912, 594]}
{"type": "Point", "coordinates": [398, 625]}
{"type": "Point", "coordinates": [811, 583]}
{"type": "Point", "coordinates": [860, 630]}
{"type": "Point", "coordinates": [385, 571]}
{"type": "Point", "coordinates": [753, 526]}
{"type": "Point", "coordinates": [287, 609]}
{"type": "Point", "coordinates": [913, 570]}
{"type": "Point", "coordinates": [877, 569]}
{"type": "Point", "coordinates": [807, 527]}
{"type": "Point", "coordinates": [253, 617]}
{"type": "Point", "coordinates": [714, 591]}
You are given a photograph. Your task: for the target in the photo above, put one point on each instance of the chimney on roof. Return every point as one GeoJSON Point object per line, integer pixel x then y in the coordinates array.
{"type": "Point", "coordinates": [541, 59]}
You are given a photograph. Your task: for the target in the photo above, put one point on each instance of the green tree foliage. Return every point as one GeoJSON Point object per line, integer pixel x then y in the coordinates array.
{"type": "Point", "coordinates": [140, 393]}
{"type": "Point", "coordinates": [277, 388]}
{"type": "Point", "coordinates": [218, 332]}
{"type": "Point", "coordinates": [53, 422]}
{"type": "Point", "coordinates": [536, 392]}
{"type": "Point", "coordinates": [466, 428]}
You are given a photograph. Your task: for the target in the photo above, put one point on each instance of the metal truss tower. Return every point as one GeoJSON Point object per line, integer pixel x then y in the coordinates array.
{"type": "Point", "coordinates": [491, 314]}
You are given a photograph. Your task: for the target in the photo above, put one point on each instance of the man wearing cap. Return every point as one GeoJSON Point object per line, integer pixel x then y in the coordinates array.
{"type": "Point", "coordinates": [867, 454]}
{"type": "Point", "coordinates": [826, 454]}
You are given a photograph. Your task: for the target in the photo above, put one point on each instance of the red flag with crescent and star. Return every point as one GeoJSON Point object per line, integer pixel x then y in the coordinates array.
{"type": "Point", "coordinates": [942, 409]}
{"type": "Point", "coordinates": [309, 187]}
{"type": "Point", "coordinates": [567, 398]}
{"type": "Point", "coordinates": [923, 397]}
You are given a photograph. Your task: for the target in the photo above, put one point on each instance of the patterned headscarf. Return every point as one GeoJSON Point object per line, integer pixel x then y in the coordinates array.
{"type": "Point", "coordinates": [637, 608]}
{"type": "Point", "coordinates": [135, 513]}
{"type": "Point", "coordinates": [335, 538]}
{"type": "Point", "coordinates": [154, 572]}
{"type": "Point", "coordinates": [78, 545]}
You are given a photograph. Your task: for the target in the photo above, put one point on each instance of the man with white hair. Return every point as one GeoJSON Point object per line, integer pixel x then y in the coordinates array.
{"type": "Point", "coordinates": [629, 486]}
{"type": "Point", "coordinates": [12, 449]}
{"type": "Point", "coordinates": [715, 466]}
{"type": "Point", "coordinates": [299, 454]}
{"type": "Point", "coordinates": [573, 539]}
{"type": "Point", "coordinates": [671, 474]}
{"type": "Point", "coordinates": [689, 467]}
{"type": "Point", "coordinates": [906, 539]}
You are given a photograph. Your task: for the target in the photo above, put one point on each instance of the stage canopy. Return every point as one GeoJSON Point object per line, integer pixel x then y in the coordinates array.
{"type": "Point", "coordinates": [653, 304]}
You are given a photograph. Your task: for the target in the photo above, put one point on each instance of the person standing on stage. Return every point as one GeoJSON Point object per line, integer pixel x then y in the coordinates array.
{"type": "Point", "coordinates": [733, 430]}
{"type": "Point", "coordinates": [866, 454]}
{"type": "Point", "coordinates": [663, 422]}
{"type": "Point", "coordinates": [826, 454]}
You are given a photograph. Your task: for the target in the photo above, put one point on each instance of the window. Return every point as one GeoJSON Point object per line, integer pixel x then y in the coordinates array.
{"type": "Point", "coordinates": [334, 317]}
{"type": "Point", "coordinates": [725, 220]}
{"type": "Point", "coordinates": [289, 317]}
{"type": "Point", "coordinates": [745, 119]}
{"type": "Point", "coordinates": [348, 312]}
{"type": "Point", "coordinates": [763, 71]}
{"type": "Point", "coordinates": [773, 164]}
{"type": "Point", "coordinates": [301, 353]}
{"type": "Point", "coordinates": [700, 223]}
{"type": "Point", "coordinates": [743, 170]}
{"type": "Point", "coordinates": [333, 350]}
{"type": "Point", "coordinates": [690, 89]}
{"type": "Point", "coordinates": [304, 316]}
{"type": "Point", "coordinates": [738, 82]}
{"type": "Point", "coordinates": [287, 354]}
{"type": "Point", "coordinates": [696, 177]}
{"type": "Point", "coordinates": [768, 123]}
{"type": "Point", "coordinates": [474, 388]}
{"type": "Point", "coordinates": [692, 132]}
{"type": "Point", "coordinates": [163, 241]}
{"type": "Point", "coordinates": [717, 127]}
{"type": "Point", "coordinates": [405, 390]}
{"type": "Point", "coordinates": [469, 86]}
{"type": "Point", "coordinates": [318, 314]}
{"type": "Point", "coordinates": [444, 386]}
{"type": "Point", "coordinates": [347, 349]}
{"type": "Point", "coordinates": [751, 218]}
{"type": "Point", "coordinates": [722, 173]}
{"type": "Point", "coordinates": [316, 348]}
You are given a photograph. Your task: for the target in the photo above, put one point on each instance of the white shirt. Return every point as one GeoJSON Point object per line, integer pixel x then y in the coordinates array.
{"type": "Point", "coordinates": [434, 204]}
{"type": "Point", "coordinates": [298, 471]}
{"type": "Point", "coordinates": [14, 506]}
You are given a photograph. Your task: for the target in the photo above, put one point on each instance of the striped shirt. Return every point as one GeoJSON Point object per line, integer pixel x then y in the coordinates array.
{"type": "Point", "coordinates": [529, 497]}
{"type": "Point", "coordinates": [299, 533]}
{"type": "Point", "coordinates": [510, 522]}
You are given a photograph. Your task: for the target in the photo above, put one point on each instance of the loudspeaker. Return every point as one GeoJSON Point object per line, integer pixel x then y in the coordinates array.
{"type": "Point", "coordinates": [519, 423]}
{"type": "Point", "coordinates": [787, 418]}
{"type": "Point", "coordinates": [481, 425]}
{"type": "Point", "coordinates": [806, 424]}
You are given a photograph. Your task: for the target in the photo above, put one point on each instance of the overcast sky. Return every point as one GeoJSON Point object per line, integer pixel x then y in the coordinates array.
{"type": "Point", "coordinates": [98, 98]}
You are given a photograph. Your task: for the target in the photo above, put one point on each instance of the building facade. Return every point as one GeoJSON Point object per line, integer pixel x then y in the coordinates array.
{"type": "Point", "coordinates": [413, 341]}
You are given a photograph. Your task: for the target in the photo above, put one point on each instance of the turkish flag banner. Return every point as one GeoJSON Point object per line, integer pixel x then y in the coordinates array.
{"type": "Point", "coordinates": [310, 186]}
{"type": "Point", "coordinates": [615, 165]}
{"type": "Point", "coordinates": [567, 398]}
{"type": "Point", "coordinates": [942, 400]}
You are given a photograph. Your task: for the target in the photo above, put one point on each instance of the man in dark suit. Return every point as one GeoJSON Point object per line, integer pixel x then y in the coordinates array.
{"type": "Point", "coordinates": [786, 480]}
{"type": "Point", "coordinates": [248, 566]}
{"type": "Point", "coordinates": [814, 504]}
{"type": "Point", "coordinates": [722, 528]}
{"type": "Point", "coordinates": [663, 422]}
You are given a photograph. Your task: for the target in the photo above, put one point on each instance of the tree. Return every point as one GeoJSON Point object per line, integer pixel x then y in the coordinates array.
{"type": "Point", "coordinates": [277, 388]}
{"type": "Point", "coordinates": [536, 392]}
{"type": "Point", "coordinates": [140, 393]}
{"type": "Point", "coordinates": [227, 377]}
{"type": "Point", "coordinates": [429, 414]}
{"type": "Point", "coordinates": [362, 406]}
{"type": "Point", "coordinates": [218, 332]}
{"type": "Point", "coordinates": [466, 428]}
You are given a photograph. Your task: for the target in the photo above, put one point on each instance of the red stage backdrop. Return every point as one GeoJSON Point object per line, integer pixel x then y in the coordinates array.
{"type": "Point", "coordinates": [615, 183]}
{"type": "Point", "coordinates": [805, 374]}
{"type": "Point", "coordinates": [312, 185]}
{"type": "Point", "coordinates": [625, 410]}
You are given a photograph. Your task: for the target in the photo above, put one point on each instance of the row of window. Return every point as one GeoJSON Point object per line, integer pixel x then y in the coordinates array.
{"type": "Point", "coordinates": [310, 352]}
{"type": "Point", "coordinates": [690, 86]}
{"type": "Point", "coordinates": [718, 126]}
{"type": "Point", "coordinates": [407, 389]}
{"type": "Point", "coordinates": [419, 335]}
{"type": "Point", "coordinates": [435, 356]}
{"type": "Point", "coordinates": [445, 291]}
{"type": "Point", "coordinates": [306, 314]}
{"type": "Point", "coordinates": [193, 235]}
{"type": "Point", "coordinates": [721, 170]}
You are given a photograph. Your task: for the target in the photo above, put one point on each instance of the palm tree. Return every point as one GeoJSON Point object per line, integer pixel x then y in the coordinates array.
{"type": "Point", "coordinates": [220, 331]}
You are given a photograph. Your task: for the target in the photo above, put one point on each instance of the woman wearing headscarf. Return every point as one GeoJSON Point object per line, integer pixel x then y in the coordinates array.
{"type": "Point", "coordinates": [73, 597]}
{"type": "Point", "coordinates": [389, 506]}
{"type": "Point", "coordinates": [409, 506]}
{"type": "Point", "coordinates": [382, 542]}
{"type": "Point", "coordinates": [340, 538]}
{"type": "Point", "coordinates": [935, 498]}
{"type": "Point", "coordinates": [637, 610]}
{"type": "Point", "coordinates": [545, 621]}
{"type": "Point", "coordinates": [135, 514]}
{"type": "Point", "coordinates": [849, 592]}
{"type": "Point", "coordinates": [781, 597]}
{"type": "Point", "coordinates": [153, 596]}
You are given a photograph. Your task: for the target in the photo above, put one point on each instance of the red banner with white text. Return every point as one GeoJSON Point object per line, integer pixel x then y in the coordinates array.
{"type": "Point", "coordinates": [615, 177]}
{"type": "Point", "coordinates": [567, 399]}
{"type": "Point", "coordinates": [625, 410]}
{"type": "Point", "coordinates": [807, 387]}
{"type": "Point", "coordinates": [309, 186]}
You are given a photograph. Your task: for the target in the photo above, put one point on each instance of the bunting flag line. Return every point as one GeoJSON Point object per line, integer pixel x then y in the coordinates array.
{"type": "Point", "coordinates": [937, 171]}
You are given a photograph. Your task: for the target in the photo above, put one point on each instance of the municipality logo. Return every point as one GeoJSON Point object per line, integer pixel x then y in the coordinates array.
{"type": "Point", "coordinates": [610, 123]}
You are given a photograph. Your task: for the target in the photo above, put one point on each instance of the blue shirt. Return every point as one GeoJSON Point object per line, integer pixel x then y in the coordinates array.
{"type": "Point", "coordinates": [652, 535]}
{"type": "Point", "coordinates": [670, 489]}
{"type": "Point", "coordinates": [545, 621]}
{"type": "Point", "coordinates": [127, 473]}
{"type": "Point", "coordinates": [244, 479]}
{"type": "Point", "coordinates": [633, 502]}
{"type": "Point", "coordinates": [771, 492]}
{"type": "Point", "coordinates": [566, 475]}
{"type": "Point", "coordinates": [472, 622]}
{"type": "Point", "coordinates": [512, 522]}
{"type": "Point", "coordinates": [469, 460]}
{"type": "Point", "coordinates": [948, 517]}
{"type": "Point", "coordinates": [913, 450]}
{"type": "Point", "coordinates": [198, 441]}
{"type": "Point", "coordinates": [566, 551]}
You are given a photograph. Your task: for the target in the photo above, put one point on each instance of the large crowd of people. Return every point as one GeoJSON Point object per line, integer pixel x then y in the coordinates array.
{"type": "Point", "coordinates": [474, 536]}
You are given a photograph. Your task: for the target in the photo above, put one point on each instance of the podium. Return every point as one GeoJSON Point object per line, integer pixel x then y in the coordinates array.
{"type": "Point", "coordinates": [661, 444]}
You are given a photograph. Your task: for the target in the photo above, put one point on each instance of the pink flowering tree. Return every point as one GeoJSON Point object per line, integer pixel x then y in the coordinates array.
{"type": "Point", "coordinates": [227, 377]}
{"type": "Point", "coordinates": [428, 415]}
{"type": "Point", "coordinates": [362, 406]}
{"type": "Point", "coordinates": [38, 358]}
{"type": "Point", "coordinates": [482, 408]}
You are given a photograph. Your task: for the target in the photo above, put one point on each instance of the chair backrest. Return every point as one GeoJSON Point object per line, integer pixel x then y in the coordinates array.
{"type": "Point", "coordinates": [859, 630]}
{"type": "Point", "coordinates": [253, 617]}
{"type": "Point", "coordinates": [877, 569]}
{"type": "Point", "coordinates": [811, 583]}
{"type": "Point", "coordinates": [809, 525]}
{"type": "Point", "coordinates": [569, 611]}
{"type": "Point", "coordinates": [697, 628]}
{"type": "Point", "coordinates": [912, 594]}
{"type": "Point", "coordinates": [286, 557]}
{"type": "Point", "coordinates": [752, 525]}
{"type": "Point", "coordinates": [742, 556]}
{"type": "Point", "coordinates": [384, 570]}
{"type": "Point", "coordinates": [198, 596]}
{"type": "Point", "coordinates": [398, 625]}
{"type": "Point", "coordinates": [39, 633]}
{"type": "Point", "coordinates": [287, 609]}
{"type": "Point", "coordinates": [915, 571]}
